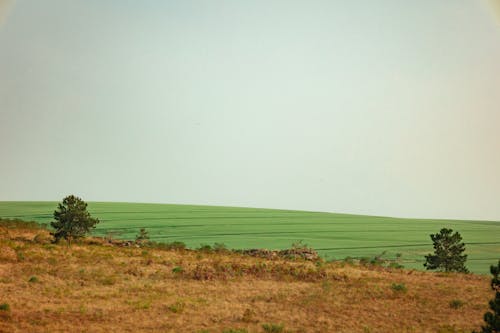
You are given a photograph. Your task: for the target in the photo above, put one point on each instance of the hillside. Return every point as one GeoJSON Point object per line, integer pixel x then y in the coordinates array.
{"type": "Point", "coordinates": [96, 287]}
{"type": "Point", "coordinates": [334, 236]}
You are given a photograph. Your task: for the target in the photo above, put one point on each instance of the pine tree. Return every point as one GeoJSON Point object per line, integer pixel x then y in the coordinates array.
{"type": "Point", "coordinates": [492, 318]}
{"type": "Point", "coordinates": [448, 249]}
{"type": "Point", "coordinates": [72, 220]}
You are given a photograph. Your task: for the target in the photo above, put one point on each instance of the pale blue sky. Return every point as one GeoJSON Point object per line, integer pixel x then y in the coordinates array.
{"type": "Point", "coordinates": [372, 107]}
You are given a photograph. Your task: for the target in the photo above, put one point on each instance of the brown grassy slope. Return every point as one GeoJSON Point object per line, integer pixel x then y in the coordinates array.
{"type": "Point", "coordinates": [98, 288]}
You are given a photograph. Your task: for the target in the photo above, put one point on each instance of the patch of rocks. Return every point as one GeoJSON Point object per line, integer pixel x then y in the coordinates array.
{"type": "Point", "coordinates": [300, 253]}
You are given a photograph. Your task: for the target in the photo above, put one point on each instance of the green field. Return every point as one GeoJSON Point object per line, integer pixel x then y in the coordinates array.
{"type": "Point", "coordinates": [334, 236]}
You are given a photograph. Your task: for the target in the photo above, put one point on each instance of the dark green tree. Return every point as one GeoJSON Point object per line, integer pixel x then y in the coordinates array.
{"type": "Point", "coordinates": [72, 220]}
{"type": "Point", "coordinates": [448, 252]}
{"type": "Point", "coordinates": [492, 318]}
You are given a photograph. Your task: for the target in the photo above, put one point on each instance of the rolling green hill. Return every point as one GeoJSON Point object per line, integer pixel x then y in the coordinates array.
{"type": "Point", "coordinates": [334, 236]}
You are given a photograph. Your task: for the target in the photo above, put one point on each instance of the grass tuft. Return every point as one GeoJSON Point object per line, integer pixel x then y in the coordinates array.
{"type": "Point", "coordinates": [399, 287]}
{"type": "Point", "coordinates": [456, 304]}
{"type": "Point", "coordinates": [273, 328]}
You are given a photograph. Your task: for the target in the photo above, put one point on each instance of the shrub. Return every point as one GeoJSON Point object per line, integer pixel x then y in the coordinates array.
{"type": "Point", "coordinates": [396, 265]}
{"type": "Point", "coordinates": [235, 330]}
{"type": "Point", "coordinates": [177, 307]}
{"type": "Point", "coordinates": [177, 269]}
{"type": "Point", "coordinates": [349, 260]}
{"type": "Point", "coordinates": [142, 237]}
{"type": "Point", "coordinates": [20, 255]}
{"type": "Point", "coordinates": [108, 280]}
{"type": "Point", "coordinates": [364, 261]}
{"type": "Point", "coordinates": [378, 260]}
{"type": "Point", "coordinates": [33, 279]}
{"type": "Point", "coordinates": [220, 247]}
{"type": "Point", "coordinates": [4, 307]}
{"type": "Point", "coordinates": [456, 304]}
{"type": "Point", "coordinates": [205, 248]}
{"type": "Point", "coordinates": [273, 328]}
{"type": "Point", "coordinates": [399, 287]}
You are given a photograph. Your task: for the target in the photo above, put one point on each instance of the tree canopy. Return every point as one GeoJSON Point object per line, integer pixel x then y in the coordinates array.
{"type": "Point", "coordinates": [492, 318]}
{"type": "Point", "coordinates": [448, 249]}
{"type": "Point", "coordinates": [72, 220]}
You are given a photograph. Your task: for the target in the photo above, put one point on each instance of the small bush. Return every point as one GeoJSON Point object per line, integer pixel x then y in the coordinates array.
{"type": "Point", "coordinates": [108, 280]}
{"type": "Point", "coordinates": [399, 287]}
{"type": "Point", "coordinates": [33, 279]}
{"type": "Point", "coordinates": [205, 248]}
{"type": "Point", "coordinates": [364, 261]}
{"type": "Point", "coordinates": [141, 304]}
{"type": "Point", "coordinates": [177, 269]}
{"type": "Point", "coordinates": [396, 265]}
{"type": "Point", "coordinates": [220, 248]}
{"type": "Point", "coordinates": [177, 307]}
{"type": "Point", "coordinates": [349, 260]}
{"type": "Point", "coordinates": [4, 307]}
{"type": "Point", "coordinates": [273, 328]}
{"type": "Point", "coordinates": [378, 260]}
{"type": "Point", "coordinates": [20, 256]}
{"type": "Point", "coordinates": [142, 237]}
{"type": "Point", "coordinates": [456, 304]}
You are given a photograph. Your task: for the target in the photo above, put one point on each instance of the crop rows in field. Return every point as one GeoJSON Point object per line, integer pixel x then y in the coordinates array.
{"type": "Point", "coordinates": [334, 236]}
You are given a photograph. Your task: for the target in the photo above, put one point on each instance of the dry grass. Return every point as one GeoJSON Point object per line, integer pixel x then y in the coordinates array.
{"type": "Point", "coordinates": [91, 287]}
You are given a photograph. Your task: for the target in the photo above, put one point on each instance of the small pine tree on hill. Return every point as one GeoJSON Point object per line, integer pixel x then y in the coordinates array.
{"type": "Point", "coordinates": [492, 318]}
{"type": "Point", "coordinates": [448, 249]}
{"type": "Point", "coordinates": [72, 220]}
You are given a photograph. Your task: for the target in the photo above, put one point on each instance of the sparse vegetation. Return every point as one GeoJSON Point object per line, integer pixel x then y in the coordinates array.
{"type": "Point", "coordinates": [142, 237]}
{"type": "Point", "coordinates": [177, 269]}
{"type": "Point", "coordinates": [448, 252]}
{"type": "Point", "coordinates": [399, 287]}
{"type": "Point", "coordinates": [220, 247]}
{"type": "Point", "coordinates": [331, 235]}
{"type": "Point", "coordinates": [95, 282]}
{"type": "Point", "coordinates": [273, 328]}
{"type": "Point", "coordinates": [456, 304]}
{"type": "Point", "coordinates": [177, 307]}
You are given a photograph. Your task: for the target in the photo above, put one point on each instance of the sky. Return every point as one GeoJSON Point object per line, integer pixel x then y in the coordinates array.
{"type": "Point", "coordinates": [370, 107]}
